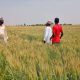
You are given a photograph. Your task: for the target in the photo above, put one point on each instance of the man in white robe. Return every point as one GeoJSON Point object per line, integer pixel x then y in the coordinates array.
{"type": "Point", "coordinates": [48, 33]}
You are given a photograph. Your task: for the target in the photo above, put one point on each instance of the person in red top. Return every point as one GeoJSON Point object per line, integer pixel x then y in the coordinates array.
{"type": "Point", "coordinates": [57, 32]}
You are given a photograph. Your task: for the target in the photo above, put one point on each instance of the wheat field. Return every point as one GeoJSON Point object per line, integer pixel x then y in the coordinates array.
{"type": "Point", "coordinates": [26, 57]}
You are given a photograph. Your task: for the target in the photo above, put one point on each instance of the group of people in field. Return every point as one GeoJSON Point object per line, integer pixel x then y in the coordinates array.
{"type": "Point", "coordinates": [51, 34]}
{"type": "Point", "coordinates": [54, 34]}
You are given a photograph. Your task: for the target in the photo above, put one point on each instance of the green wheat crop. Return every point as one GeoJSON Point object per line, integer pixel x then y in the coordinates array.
{"type": "Point", "coordinates": [26, 57]}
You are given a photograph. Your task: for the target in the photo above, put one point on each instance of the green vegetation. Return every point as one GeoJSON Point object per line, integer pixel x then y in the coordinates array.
{"type": "Point", "coordinates": [25, 57]}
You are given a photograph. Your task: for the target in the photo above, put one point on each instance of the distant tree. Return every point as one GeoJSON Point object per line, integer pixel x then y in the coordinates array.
{"type": "Point", "coordinates": [24, 24]}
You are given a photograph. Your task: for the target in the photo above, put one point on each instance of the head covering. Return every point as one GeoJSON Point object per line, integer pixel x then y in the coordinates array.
{"type": "Point", "coordinates": [49, 22]}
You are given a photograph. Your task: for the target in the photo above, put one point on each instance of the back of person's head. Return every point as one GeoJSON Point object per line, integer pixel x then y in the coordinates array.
{"type": "Point", "coordinates": [56, 20]}
{"type": "Point", "coordinates": [1, 21]}
{"type": "Point", "coordinates": [48, 23]}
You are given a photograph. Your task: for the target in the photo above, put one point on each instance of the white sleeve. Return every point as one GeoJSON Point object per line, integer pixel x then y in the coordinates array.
{"type": "Point", "coordinates": [45, 34]}
{"type": "Point", "coordinates": [5, 35]}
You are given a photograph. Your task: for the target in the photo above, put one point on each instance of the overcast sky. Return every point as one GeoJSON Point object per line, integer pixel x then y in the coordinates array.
{"type": "Point", "coordinates": [39, 11]}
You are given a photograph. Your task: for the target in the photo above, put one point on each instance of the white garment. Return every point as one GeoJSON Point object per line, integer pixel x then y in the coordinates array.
{"type": "Point", "coordinates": [2, 28]}
{"type": "Point", "coordinates": [47, 34]}
{"type": "Point", "coordinates": [3, 33]}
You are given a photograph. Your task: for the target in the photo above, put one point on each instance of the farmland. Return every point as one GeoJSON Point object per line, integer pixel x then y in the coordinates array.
{"type": "Point", "coordinates": [26, 57]}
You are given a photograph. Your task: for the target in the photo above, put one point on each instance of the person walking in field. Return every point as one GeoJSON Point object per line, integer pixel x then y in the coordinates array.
{"type": "Point", "coordinates": [3, 33]}
{"type": "Point", "coordinates": [57, 32]}
{"type": "Point", "coordinates": [48, 32]}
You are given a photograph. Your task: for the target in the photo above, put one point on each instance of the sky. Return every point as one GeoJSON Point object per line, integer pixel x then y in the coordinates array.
{"type": "Point", "coordinates": [17, 12]}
